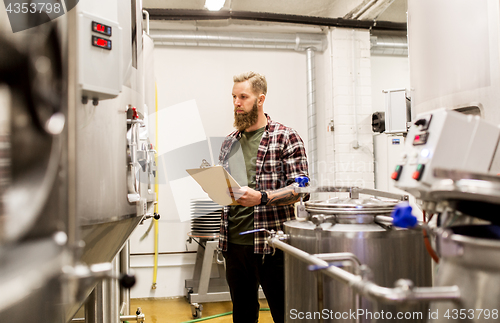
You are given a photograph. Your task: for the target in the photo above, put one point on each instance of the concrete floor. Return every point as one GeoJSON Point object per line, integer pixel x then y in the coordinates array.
{"type": "Point", "coordinates": [179, 310]}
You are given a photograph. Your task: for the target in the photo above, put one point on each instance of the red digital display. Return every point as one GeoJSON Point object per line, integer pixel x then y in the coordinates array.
{"type": "Point", "coordinates": [101, 28]}
{"type": "Point", "coordinates": [101, 42]}
{"type": "Point", "coordinates": [420, 139]}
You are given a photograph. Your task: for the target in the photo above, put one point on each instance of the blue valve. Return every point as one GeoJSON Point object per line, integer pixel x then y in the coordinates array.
{"type": "Point", "coordinates": [402, 216]}
{"type": "Point", "coordinates": [302, 180]}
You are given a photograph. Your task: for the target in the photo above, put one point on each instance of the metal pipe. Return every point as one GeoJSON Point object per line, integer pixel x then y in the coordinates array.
{"type": "Point", "coordinates": [370, 10]}
{"type": "Point", "coordinates": [298, 42]}
{"type": "Point", "coordinates": [138, 318]}
{"type": "Point", "coordinates": [393, 45]}
{"type": "Point", "coordinates": [353, 191]}
{"type": "Point", "coordinates": [72, 225]}
{"type": "Point", "coordinates": [374, 192]}
{"type": "Point", "coordinates": [319, 277]}
{"type": "Point", "coordinates": [311, 112]}
{"type": "Point", "coordinates": [341, 256]}
{"type": "Point", "coordinates": [356, 263]}
{"type": "Point", "coordinates": [112, 295]}
{"type": "Point", "coordinates": [94, 304]}
{"type": "Point", "coordinates": [354, 89]}
{"type": "Point", "coordinates": [339, 274]}
{"type": "Point", "coordinates": [125, 269]}
{"type": "Point", "coordinates": [187, 14]}
{"type": "Point", "coordinates": [363, 9]}
{"type": "Point", "coordinates": [382, 218]}
{"type": "Point", "coordinates": [146, 13]}
{"type": "Point", "coordinates": [403, 293]}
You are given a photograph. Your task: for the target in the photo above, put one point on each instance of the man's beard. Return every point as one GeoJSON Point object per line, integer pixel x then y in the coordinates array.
{"type": "Point", "coordinates": [245, 120]}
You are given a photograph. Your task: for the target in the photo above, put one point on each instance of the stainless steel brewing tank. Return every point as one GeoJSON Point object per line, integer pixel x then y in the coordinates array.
{"type": "Point", "coordinates": [469, 254]}
{"type": "Point", "coordinates": [350, 226]}
{"type": "Point", "coordinates": [470, 259]}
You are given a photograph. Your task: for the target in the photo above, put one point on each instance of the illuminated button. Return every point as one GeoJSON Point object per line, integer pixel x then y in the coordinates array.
{"type": "Point", "coordinates": [397, 172]}
{"type": "Point", "coordinates": [417, 174]}
{"type": "Point", "coordinates": [425, 153]}
{"type": "Point", "coordinates": [420, 139]}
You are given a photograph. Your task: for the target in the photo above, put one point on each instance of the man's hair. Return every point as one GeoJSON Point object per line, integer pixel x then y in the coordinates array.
{"type": "Point", "coordinates": [258, 81]}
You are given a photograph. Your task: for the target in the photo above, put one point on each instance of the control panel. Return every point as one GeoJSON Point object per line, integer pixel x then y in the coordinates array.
{"type": "Point", "coordinates": [444, 139]}
{"type": "Point", "coordinates": [99, 58]}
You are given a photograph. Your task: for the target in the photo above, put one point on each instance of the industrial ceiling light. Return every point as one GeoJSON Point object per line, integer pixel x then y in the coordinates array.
{"type": "Point", "coordinates": [214, 5]}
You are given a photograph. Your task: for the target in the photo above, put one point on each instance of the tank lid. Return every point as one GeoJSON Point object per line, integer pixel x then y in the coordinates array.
{"type": "Point", "coordinates": [337, 205]}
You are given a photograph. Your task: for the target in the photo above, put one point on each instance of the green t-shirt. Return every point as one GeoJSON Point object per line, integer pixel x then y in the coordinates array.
{"type": "Point", "coordinates": [242, 159]}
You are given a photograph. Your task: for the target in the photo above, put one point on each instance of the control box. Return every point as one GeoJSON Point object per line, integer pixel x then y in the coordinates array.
{"type": "Point", "coordinates": [444, 139]}
{"type": "Point", "coordinates": [99, 57]}
{"type": "Point", "coordinates": [397, 111]}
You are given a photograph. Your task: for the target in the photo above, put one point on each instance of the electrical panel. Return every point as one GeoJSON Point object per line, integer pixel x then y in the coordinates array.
{"type": "Point", "coordinates": [99, 57]}
{"type": "Point", "coordinates": [444, 139]}
{"type": "Point", "coordinates": [397, 111]}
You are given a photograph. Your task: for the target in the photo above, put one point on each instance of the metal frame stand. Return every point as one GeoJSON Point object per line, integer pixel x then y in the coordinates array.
{"type": "Point", "coordinates": [204, 288]}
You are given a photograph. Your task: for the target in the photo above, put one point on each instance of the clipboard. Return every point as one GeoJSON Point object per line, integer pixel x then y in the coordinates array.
{"type": "Point", "coordinates": [216, 181]}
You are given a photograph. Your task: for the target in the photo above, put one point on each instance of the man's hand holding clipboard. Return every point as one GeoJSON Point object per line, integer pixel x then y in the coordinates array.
{"type": "Point", "coordinates": [220, 186]}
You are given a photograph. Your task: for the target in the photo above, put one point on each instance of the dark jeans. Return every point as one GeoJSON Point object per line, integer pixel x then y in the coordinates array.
{"type": "Point", "coordinates": [244, 272]}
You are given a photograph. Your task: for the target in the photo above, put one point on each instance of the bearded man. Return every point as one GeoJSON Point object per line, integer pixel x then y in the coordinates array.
{"type": "Point", "coordinates": [267, 156]}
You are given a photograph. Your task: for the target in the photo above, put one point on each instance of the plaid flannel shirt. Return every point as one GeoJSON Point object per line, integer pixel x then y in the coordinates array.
{"type": "Point", "coordinates": [281, 157]}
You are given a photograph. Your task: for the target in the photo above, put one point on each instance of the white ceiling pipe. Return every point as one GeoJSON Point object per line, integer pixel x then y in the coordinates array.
{"type": "Point", "coordinates": [299, 41]}
{"type": "Point", "coordinates": [311, 114]}
{"type": "Point", "coordinates": [389, 45]}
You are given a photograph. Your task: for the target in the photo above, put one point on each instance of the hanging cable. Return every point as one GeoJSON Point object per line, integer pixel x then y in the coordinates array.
{"type": "Point", "coordinates": [155, 268]}
{"type": "Point", "coordinates": [428, 246]}
{"type": "Point", "coordinates": [220, 315]}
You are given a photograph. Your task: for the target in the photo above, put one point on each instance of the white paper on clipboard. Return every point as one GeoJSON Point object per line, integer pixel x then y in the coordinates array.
{"type": "Point", "coordinates": [216, 181]}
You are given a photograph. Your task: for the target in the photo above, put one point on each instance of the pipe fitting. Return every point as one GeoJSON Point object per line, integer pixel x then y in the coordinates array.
{"type": "Point", "coordinates": [404, 284]}
{"type": "Point", "coordinates": [318, 219]}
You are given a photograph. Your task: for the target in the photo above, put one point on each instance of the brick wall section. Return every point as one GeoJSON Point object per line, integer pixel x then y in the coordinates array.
{"type": "Point", "coordinates": [339, 163]}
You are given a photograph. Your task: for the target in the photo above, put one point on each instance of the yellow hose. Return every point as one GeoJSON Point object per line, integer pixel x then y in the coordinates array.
{"type": "Point", "coordinates": [155, 268]}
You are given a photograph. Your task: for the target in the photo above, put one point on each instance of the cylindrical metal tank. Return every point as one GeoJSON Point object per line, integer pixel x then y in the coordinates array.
{"type": "Point", "coordinates": [33, 226]}
{"type": "Point", "coordinates": [470, 259]}
{"type": "Point", "coordinates": [350, 225]}
{"type": "Point", "coordinates": [468, 245]}
{"type": "Point", "coordinates": [455, 64]}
